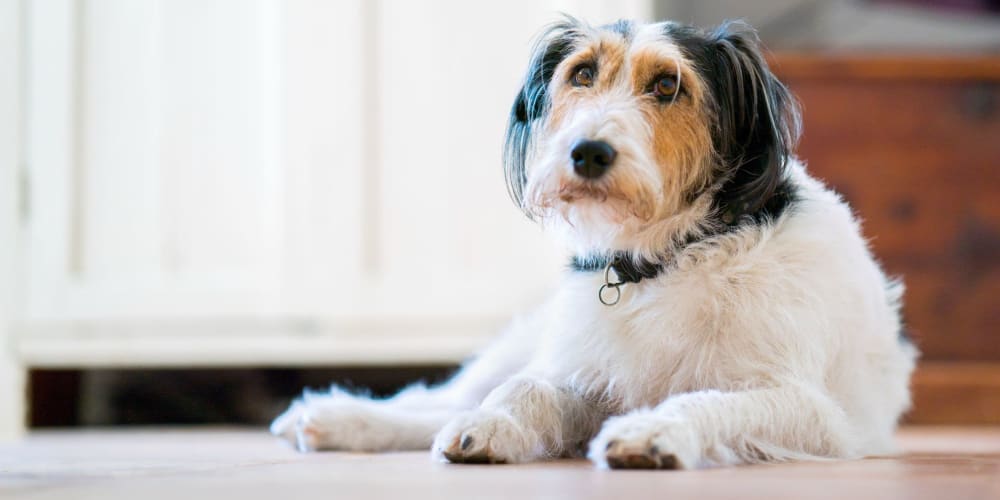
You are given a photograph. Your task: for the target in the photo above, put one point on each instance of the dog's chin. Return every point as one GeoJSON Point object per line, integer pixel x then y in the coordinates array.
{"type": "Point", "coordinates": [591, 215]}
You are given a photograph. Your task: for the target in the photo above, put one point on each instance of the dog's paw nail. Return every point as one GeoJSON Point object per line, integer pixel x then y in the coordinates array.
{"type": "Point", "coordinates": [632, 461]}
{"type": "Point", "coordinates": [616, 462]}
{"type": "Point", "coordinates": [668, 462]}
{"type": "Point", "coordinates": [454, 458]}
{"type": "Point", "coordinates": [467, 442]}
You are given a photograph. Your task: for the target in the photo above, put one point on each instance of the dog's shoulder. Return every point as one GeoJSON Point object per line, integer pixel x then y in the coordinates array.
{"type": "Point", "coordinates": [805, 223]}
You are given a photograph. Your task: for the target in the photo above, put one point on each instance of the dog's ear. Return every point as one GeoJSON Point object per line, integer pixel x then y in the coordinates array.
{"type": "Point", "coordinates": [758, 120]}
{"type": "Point", "coordinates": [532, 102]}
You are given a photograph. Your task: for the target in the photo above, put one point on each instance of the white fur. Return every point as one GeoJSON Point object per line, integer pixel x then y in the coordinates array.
{"type": "Point", "coordinates": [773, 342]}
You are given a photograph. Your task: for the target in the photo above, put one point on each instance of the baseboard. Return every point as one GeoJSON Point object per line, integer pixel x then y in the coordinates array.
{"type": "Point", "coordinates": [258, 344]}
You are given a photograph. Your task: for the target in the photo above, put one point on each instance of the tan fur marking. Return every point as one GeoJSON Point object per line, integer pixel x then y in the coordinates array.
{"type": "Point", "coordinates": [607, 52]}
{"type": "Point", "coordinates": [682, 141]}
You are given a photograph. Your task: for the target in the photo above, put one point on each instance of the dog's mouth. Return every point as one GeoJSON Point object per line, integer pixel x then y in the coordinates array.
{"type": "Point", "coordinates": [570, 192]}
{"type": "Point", "coordinates": [576, 193]}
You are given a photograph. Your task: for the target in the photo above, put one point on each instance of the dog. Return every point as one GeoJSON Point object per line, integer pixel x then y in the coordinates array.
{"type": "Point", "coordinates": [721, 305]}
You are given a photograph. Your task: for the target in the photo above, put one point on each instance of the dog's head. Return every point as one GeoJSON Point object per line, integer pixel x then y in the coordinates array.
{"type": "Point", "coordinates": [625, 134]}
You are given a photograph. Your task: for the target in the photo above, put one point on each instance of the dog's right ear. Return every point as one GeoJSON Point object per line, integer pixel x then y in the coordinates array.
{"type": "Point", "coordinates": [759, 122]}
{"type": "Point", "coordinates": [532, 102]}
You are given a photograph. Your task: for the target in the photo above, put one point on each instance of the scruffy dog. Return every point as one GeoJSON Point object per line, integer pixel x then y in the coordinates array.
{"type": "Point", "coordinates": [721, 306]}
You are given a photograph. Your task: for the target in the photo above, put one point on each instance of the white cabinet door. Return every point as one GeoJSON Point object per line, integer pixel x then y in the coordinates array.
{"type": "Point", "coordinates": [446, 237]}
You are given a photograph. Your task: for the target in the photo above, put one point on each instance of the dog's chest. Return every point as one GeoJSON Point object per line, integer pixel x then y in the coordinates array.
{"type": "Point", "coordinates": [658, 340]}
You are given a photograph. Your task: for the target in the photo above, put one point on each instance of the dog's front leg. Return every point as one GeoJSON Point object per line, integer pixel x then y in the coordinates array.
{"type": "Point", "coordinates": [524, 419]}
{"type": "Point", "coordinates": [708, 428]}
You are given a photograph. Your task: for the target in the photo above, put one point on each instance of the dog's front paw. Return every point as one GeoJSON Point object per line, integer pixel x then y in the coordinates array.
{"type": "Point", "coordinates": [644, 440]}
{"type": "Point", "coordinates": [484, 437]}
{"type": "Point", "coordinates": [329, 422]}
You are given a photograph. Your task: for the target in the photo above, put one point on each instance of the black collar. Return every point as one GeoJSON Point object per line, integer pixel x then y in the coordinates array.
{"type": "Point", "coordinates": [633, 270]}
{"type": "Point", "coordinates": [628, 268]}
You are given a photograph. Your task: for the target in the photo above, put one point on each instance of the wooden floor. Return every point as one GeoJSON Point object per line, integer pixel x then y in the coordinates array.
{"type": "Point", "coordinates": [939, 463]}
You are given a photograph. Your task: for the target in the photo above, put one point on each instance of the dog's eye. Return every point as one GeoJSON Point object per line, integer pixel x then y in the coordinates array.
{"type": "Point", "coordinates": [665, 87]}
{"type": "Point", "coordinates": [583, 77]}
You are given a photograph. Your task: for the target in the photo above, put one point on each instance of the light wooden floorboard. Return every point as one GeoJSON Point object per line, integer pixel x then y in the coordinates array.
{"type": "Point", "coordinates": [150, 464]}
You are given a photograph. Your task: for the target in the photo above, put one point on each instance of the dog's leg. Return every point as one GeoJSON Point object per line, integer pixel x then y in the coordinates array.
{"type": "Point", "coordinates": [524, 419]}
{"type": "Point", "coordinates": [720, 428]}
{"type": "Point", "coordinates": [341, 421]}
{"type": "Point", "coordinates": [338, 420]}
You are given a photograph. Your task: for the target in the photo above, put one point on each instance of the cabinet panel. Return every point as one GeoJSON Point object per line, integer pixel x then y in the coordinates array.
{"type": "Point", "coordinates": [323, 155]}
{"type": "Point", "coordinates": [154, 151]}
{"type": "Point", "coordinates": [448, 235]}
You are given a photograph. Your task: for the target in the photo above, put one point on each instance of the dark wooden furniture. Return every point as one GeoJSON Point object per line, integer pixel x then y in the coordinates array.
{"type": "Point", "coordinates": [913, 143]}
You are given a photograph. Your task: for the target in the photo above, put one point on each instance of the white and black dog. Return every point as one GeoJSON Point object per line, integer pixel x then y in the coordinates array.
{"type": "Point", "coordinates": [721, 308]}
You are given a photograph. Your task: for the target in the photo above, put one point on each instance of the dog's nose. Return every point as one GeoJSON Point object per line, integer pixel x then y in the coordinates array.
{"type": "Point", "coordinates": [592, 158]}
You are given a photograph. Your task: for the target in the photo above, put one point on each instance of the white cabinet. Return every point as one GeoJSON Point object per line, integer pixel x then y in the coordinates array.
{"type": "Point", "coordinates": [273, 182]}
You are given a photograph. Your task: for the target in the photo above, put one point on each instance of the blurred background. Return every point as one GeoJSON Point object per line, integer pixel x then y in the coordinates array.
{"type": "Point", "coordinates": [207, 205]}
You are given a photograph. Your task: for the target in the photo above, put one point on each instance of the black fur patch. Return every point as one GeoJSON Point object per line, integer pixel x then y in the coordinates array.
{"type": "Point", "coordinates": [785, 195]}
{"type": "Point", "coordinates": [756, 123]}
{"type": "Point", "coordinates": [532, 102]}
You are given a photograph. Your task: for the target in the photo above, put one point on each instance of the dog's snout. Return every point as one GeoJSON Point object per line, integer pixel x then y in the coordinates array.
{"type": "Point", "coordinates": [591, 159]}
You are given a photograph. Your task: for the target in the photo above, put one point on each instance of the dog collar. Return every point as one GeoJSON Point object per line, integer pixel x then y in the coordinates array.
{"type": "Point", "coordinates": [627, 270]}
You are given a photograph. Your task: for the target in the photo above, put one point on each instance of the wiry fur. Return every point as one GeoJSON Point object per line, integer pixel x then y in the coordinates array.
{"type": "Point", "coordinates": [770, 333]}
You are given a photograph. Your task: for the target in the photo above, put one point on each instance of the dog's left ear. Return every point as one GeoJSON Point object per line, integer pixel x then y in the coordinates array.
{"type": "Point", "coordinates": [532, 102]}
{"type": "Point", "coordinates": [758, 121]}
